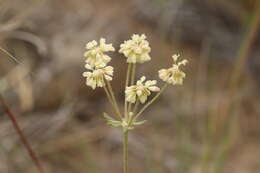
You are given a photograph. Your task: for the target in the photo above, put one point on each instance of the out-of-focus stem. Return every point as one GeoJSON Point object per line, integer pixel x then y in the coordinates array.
{"type": "Point", "coordinates": [243, 55]}
{"type": "Point", "coordinates": [228, 111]}
{"type": "Point", "coordinates": [21, 135]}
{"type": "Point", "coordinates": [10, 55]}
{"type": "Point", "coordinates": [246, 46]}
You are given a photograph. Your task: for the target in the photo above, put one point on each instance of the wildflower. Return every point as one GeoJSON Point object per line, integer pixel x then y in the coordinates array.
{"type": "Point", "coordinates": [97, 77]}
{"type": "Point", "coordinates": [141, 90]}
{"type": "Point", "coordinates": [95, 53]}
{"type": "Point", "coordinates": [136, 50]}
{"type": "Point", "coordinates": [174, 75]}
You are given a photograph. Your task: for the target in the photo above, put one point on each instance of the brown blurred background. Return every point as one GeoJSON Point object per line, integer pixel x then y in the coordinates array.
{"type": "Point", "coordinates": [211, 124]}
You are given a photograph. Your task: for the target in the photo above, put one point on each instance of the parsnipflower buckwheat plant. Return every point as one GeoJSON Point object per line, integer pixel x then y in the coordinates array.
{"type": "Point", "coordinates": [137, 93]}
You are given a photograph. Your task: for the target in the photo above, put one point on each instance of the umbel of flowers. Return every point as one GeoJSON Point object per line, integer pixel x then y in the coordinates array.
{"type": "Point", "coordinates": [100, 74]}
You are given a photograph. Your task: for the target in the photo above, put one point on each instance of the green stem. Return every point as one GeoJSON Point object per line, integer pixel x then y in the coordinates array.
{"type": "Point", "coordinates": [136, 106]}
{"type": "Point", "coordinates": [132, 83]}
{"type": "Point", "coordinates": [150, 102]}
{"type": "Point", "coordinates": [126, 85]}
{"type": "Point", "coordinates": [111, 102]}
{"type": "Point", "coordinates": [133, 74]}
{"type": "Point", "coordinates": [125, 148]}
{"type": "Point", "coordinates": [110, 90]}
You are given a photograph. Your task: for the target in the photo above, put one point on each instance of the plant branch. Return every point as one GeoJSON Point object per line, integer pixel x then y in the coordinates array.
{"type": "Point", "coordinates": [136, 106]}
{"type": "Point", "coordinates": [110, 90]}
{"type": "Point", "coordinates": [126, 85]}
{"type": "Point", "coordinates": [133, 74]}
{"type": "Point", "coordinates": [132, 83]}
{"type": "Point", "coordinates": [151, 101]}
{"type": "Point", "coordinates": [111, 102]}
{"type": "Point", "coordinates": [21, 135]}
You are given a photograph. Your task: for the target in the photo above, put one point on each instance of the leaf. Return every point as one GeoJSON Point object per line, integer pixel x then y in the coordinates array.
{"type": "Point", "coordinates": [111, 122]}
{"type": "Point", "coordinates": [114, 123]}
{"type": "Point", "coordinates": [107, 117]}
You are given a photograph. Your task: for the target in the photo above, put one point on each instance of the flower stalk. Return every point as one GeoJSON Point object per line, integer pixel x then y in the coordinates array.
{"type": "Point", "coordinates": [125, 151]}
{"type": "Point", "coordinates": [116, 110]}
{"type": "Point", "coordinates": [151, 101]}
{"type": "Point", "coordinates": [110, 90]}
{"type": "Point", "coordinates": [128, 73]}
{"type": "Point", "coordinates": [131, 83]}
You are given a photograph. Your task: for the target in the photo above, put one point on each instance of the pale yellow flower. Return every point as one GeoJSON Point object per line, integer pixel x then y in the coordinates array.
{"type": "Point", "coordinates": [174, 75]}
{"type": "Point", "coordinates": [136, 50]}
{"type": "Point", "coordinates": [95, 53]}
{"type": "Point", "coordinates": [141, 90]}
{"type": "Point", "coordinates": [96, 77]}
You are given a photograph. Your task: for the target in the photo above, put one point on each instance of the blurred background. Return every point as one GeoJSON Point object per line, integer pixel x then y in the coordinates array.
{"type": "Point", "coordinates": [211, 124]}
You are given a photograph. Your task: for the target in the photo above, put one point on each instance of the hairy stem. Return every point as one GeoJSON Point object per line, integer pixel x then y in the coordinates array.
{"type": "Point", "coordinates": [23, 139]}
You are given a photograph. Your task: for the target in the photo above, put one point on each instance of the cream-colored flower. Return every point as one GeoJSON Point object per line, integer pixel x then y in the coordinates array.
{"type": "Point", "coordinates": [136, 50]}
{"type": "Point", "coordinates": [174, 75]}
{"type": "Point", "coordinates": [141, 90]}
{"type": "Point", "coordinates": [95, 53]}
{"type": "Point", "coordinates": [96, 77]}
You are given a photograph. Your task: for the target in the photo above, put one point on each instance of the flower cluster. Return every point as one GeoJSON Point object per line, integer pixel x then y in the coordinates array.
{"type": "Point", "coordinates": [97, 77]}
{"type": "Point", "coordinates": [174, 75]}
{"type": "Point", "coordinates": [95, 53]}
{"type": "Point", "coordinates": [96, 63]}
{"type": "Point", "coordinates": [141, 90]}
{"type": "Point", "coordinates": [136, 50]}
